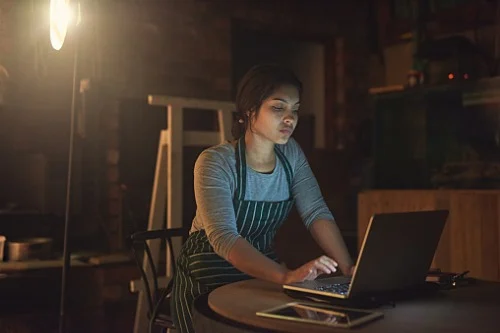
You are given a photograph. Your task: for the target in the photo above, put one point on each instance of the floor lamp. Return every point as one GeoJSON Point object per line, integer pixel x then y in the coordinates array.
{"type": "Point", "coordinates": [62, 14]}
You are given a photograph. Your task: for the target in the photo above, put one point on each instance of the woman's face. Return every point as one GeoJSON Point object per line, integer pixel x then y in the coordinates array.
{"type": "Point", "coordinates": [278, 115]}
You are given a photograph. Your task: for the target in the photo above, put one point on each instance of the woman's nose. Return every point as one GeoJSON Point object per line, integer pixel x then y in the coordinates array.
{"type": "Point", "coordinates": [290, 119]}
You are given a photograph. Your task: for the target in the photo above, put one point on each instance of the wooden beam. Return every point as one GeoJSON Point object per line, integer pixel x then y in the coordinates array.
{"type": "Point", "coordinates": [192, 103]}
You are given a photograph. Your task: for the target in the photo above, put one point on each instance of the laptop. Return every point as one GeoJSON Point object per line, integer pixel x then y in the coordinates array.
{"type": "Point", "coordinates": [396, 254]}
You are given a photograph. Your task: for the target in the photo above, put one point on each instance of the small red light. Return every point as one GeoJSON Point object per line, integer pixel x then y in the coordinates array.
{"type": "Point", "coordinates": [451, 76]}
{"type": "Point", "coordinates": [466, 76]}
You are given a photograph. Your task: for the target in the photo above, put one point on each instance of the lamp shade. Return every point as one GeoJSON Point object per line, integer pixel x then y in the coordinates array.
{"type": "Point", "coordinates": [60, 15]}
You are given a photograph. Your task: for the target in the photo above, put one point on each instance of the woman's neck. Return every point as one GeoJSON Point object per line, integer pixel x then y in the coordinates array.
{"type": "Point", "coordinates": [260, 154]}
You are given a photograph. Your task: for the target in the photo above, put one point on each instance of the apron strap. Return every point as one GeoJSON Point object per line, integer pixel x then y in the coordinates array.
{"type": "Point", "coordinates": [287, 167]}
{"type": "Point", "coordinates": [241, 169]}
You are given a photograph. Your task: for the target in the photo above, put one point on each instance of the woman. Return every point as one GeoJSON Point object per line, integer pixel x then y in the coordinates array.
{"type": "Point", "coordinates": [244, 191]}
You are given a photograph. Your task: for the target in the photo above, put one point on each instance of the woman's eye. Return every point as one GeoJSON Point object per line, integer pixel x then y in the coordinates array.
{"type": "Point", "coordinates": [278, 108]}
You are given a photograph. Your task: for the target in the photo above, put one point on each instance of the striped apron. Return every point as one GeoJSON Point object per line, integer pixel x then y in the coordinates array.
{"type": "Point", "coordinates": [200, 270]}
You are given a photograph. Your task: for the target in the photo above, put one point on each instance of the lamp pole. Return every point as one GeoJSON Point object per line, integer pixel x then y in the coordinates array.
{"type": "Point", "coordinates": [60, 16]}
{"type": "Point", "coordinates": [67, 215]}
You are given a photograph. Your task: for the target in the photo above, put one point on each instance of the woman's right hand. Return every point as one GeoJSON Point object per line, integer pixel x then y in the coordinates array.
{"type": "Point", "coordinates": [312, 269]}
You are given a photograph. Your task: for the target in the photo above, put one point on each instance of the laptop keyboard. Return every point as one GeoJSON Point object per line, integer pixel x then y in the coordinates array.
{"type": "Point", "coordinates": [337, 288]}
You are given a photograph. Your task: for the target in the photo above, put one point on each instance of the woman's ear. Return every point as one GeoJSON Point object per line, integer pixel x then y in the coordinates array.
{"type": "Point", "coordinates": [251, 114]}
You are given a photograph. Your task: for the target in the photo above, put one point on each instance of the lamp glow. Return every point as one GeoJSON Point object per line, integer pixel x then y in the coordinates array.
{"type": "Point", "coordinates": [60, 16]}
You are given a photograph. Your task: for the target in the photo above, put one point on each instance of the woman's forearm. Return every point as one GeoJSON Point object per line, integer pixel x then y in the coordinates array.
{"type": "Point", "coordinates": [327, 235]}
{"type": "Point", "coordinates": [249, 260]}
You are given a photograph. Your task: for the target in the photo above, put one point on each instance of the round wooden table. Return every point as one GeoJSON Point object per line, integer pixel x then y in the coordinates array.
{"type": "Point", "coordinates": [473, 308]}
{"type": "Point", "coordinates": [240, 301]}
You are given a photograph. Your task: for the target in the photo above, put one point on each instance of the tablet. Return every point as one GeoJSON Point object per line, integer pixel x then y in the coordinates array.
{"type": "Point", "coordinates": [321, 314]}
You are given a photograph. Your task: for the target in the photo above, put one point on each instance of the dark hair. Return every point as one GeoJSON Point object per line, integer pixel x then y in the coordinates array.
{"type": "Point", "coordinates": [257, 84]}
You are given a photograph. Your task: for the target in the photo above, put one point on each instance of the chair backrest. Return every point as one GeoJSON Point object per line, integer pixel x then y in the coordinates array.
{"type": "Point", "coordinates": [140, 242]}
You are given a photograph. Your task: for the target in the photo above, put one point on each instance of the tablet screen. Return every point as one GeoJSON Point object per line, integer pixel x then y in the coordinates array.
{"type": "Point", "coordinates": [321, 314]}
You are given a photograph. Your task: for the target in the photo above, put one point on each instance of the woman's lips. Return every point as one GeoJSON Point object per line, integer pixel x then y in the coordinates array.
{"type": "Point", "coordinates": [286, 131]}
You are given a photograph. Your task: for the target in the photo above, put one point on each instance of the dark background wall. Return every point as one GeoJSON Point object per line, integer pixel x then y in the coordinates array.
{"type": "Point", "coordinates": [127, 50]}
